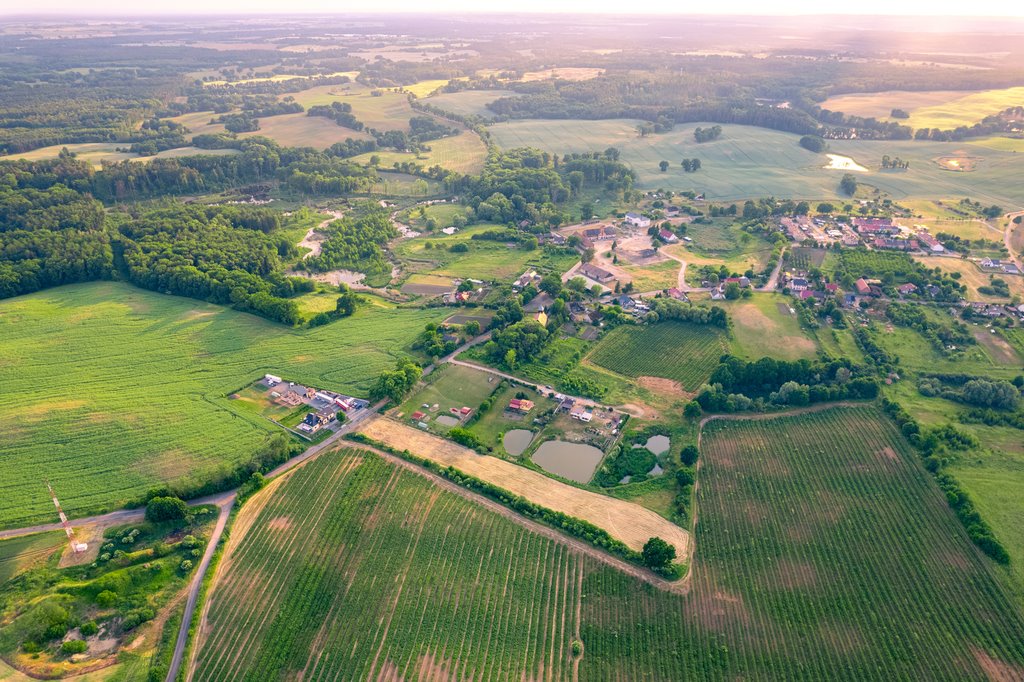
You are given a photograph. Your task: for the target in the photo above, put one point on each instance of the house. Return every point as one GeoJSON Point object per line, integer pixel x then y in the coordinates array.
{"type": "Point", "coordinates": [418, 416]}
{"type": "Point", "coordinates": [671, 210]}
{"type": "Point", "coordinates": [608, 232]}
{"type": "Point", "coordinates": [523, 224]}
{"type": "Point", "coordinates": [637, 220]}
{"type": "Point", "coordinates": [849, 300]}
{"type": "Point", "coordinates": [930, 242]}
{"type": "Point", "coordinates": [875, 226]}
{"type": "Point", "coordinates": [312, 423]}
{"type": "Point", "coordinates": [991, 263]}
{"type": "Point", "coordinates": [933, 290]}
{"type": "Point", "coordinates": [592, 233]}
{"type": "Point", "coordinates": [743, 281]}
{"type": "Point", "coordinates": [798, 284]}
{"type": "Point", "coordinates": [525, 279]}
{"type": "Point", "coordinates": [522, 406]}
{"type": "Point", "coordinates": [896, 244]}
{"type": "Point", "coordinates": [328, 414]}
{"type": "Point", "coordinates": [581, 412]}
{"type": "Point", "coordinates": [862, 287]}
{"type": "Point", "coordinates": [466, 411]}
{"type": "Point", "coordinates": [807, 293]}
{"type": "Point", "coordinates": [326, 397]}
{"type": "Point", "coordinates": [906, 289]}
{"type": "Point", "coordinates": [595, 273]}
{"type": "Point", "coordinates": [541, 317]}
{"type": "Point", "coordinates": [567, 404]}
{"type": "Point", "coordinates": [556, 239]}
{"type": "Point", "coordinates": [678, 294]}
{"type": "Point", "coordinates": [625, 302]}
{"type": "Point", "coordinates": [831, 287]}
{"type": "Point", "coordinates": [667, 237]}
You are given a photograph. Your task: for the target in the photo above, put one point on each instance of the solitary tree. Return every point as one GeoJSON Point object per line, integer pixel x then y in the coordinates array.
{"type": "Point", "coordinates": [658, 554]}
{"type": "Point", "coordinates": [663, 165]}
{"type": "Point", "coordinates": [848, 185]}
{"type": "Point", "coordinates": [166, 509]}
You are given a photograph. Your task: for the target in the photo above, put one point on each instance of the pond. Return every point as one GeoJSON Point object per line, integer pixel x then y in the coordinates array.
{"type": "Point", "coordinates": [516, 441]}
{"type": "Point", "coordinates": [575, 461]}
{"type": "Point", "coordinates": [658, 444]}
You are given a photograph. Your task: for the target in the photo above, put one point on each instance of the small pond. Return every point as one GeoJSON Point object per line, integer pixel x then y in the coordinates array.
{"type": "Point", "coordinates": [658, 444]}
{"type": "Point", "coordinates": [575, 461]}
{"type": "Point", "coordinates": [516, 441]}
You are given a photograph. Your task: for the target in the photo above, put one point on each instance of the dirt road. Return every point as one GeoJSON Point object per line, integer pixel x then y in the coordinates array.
{"type": "Point", "coordinates": [1008, 237]}
{"type": "Point", "coordinates": [773, 279]}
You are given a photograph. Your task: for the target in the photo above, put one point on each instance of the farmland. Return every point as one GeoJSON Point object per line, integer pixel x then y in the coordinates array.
{"type": "Point", "coordinates": [98, 152]}
{"type": "Point", "coordinates": [87, 366]}
{"type": "Point", "coordinates": [462, 153]}
{"type": "Point", "coordinates": [300, 130]}
{"type": "Point", "coordinates": [468, 102]}
{"type": "Point", "coordinates": [679, 351]}
{"type": "Point", "coordinates": [841, 545]}
{"type": "Point", "coordinates": [754, 162]}
{"type": "Point", "coordinates": [880, 104]}
{"type": "Point", "coordinates": [764, 326]}
{"type": "Point", "coordinates": [19, 553]}
{"type": "Point", "coordinates": [945, 109]}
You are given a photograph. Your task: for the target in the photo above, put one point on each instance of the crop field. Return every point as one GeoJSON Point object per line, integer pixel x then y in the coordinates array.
{"type": "Point", "coordinates": [300, 130]}
{"type": "Point", "coordinates": [861, 262]}
{"type": "Point", "coordinates": [851, 564]}
{"type": "Point", "coordinates": [462, 153]}
{"type": "Point", "coordinates": [19, 553]}
{"type": "Point", "coordinates": [1005, 144]}
{"type": "Point", "coordinates": [468, 102]}
{"type": "Point", "coordinates": [755, 162]}
{"type": "Point", "coordinates": [424, 88]}
{"type": "Point", "coordinates": [852, 568]}
{"type": "Point", "coordinates": [388, 111]}
{"type": "Point", "coordinates": [880, 104]}
{"type": "Point", "coordinates": [680, 351]}
{"type": "Point", "coordinates": [97, 152]}
{"type": "Point", "coordinates": [110, 390]}
{"type": "Point", "coordinates": [198, 123]}
{"type": "Point", "coordinates": [763, 326]}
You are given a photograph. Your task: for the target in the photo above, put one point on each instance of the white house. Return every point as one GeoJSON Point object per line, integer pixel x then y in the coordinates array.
{"type": "Point", "coordinates": [637, 220]}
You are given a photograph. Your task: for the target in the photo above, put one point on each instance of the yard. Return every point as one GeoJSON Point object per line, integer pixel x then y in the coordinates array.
{"type": "Point", "coordinates": [764, 326]}
{"type": "Point", "coordinates": [449, 389]}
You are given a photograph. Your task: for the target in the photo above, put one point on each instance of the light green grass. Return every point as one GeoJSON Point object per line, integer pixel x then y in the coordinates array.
{"type": "Point", "coordinates": [761, 329]}
{"type": "Point", "coordinates": [880, 104]}
{"type": "Point", "coordinates": [468, 102]}
{"type": "Point", "coordinates": [450, 386]}
{"type": "Point", "coordinates": [462, 153]}
{"type": "Point", "coordinates": [755, 162]}
{"type": "Point", "coordinates": [19, 553]}
{"type": "Point", "coordinates": [110, 390]}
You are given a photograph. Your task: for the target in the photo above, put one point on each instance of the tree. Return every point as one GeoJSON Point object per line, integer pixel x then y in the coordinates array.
{"type": "Point", "coordinates": [510, 358]}
{"type": "Point", "coordinates": [394, 384]}
{"type": "Point", "coordinates": [658, 554]}
{"type": "Point", "coordinates": [692, 410]}
{"type": "Point", "coordinates": [663, 165]}
{"type": "Point", "coordinates": [106, 599]}
{"type": "Point", "coordinates": [689, 454]}
{"type": "Point", "coordinates": [472, 328]}
{"type": "Point", "coordinates": [160, 509]}
{"type": "Point", "coordinates": [848, 185]}
{"type": "Point", "coordinates": [732, 291]}
{"type": "Point", "coordinates": [551, 285]}
{"type": "Point", "coordinates": [813, 143]}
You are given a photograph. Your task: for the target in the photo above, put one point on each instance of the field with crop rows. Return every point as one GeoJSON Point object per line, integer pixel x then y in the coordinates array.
{"type": "Point", "coordinates": [680, 351]}
{"type": "Point", "coordinates": [109, 390]}
{"type": "Point", "coordinates": [356, 568]}
{"type": "Point", "coordinates": [824, 552]}
{"type": "Point", "coordinates": [755, 162]}
{"type": "Point", "coordinates": [825, 548]}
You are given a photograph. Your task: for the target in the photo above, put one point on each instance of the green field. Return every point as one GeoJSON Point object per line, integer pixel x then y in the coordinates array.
{"type": "Point", "coordinates": [468, 102]}
{"type": "Point", "coordinates": [300, 130]}
{"type": "Point", "coordinates": [762, 326]}
{"type": "Point", "coordinates": [110, 390]}
{"type": "Point", "coordinates": [755, 162]}
{"type": "Point", "coordinates": [680, 351]}
{"type": "Point", "coordinates": [880, 104]}
{"type": "Point", "coordinates": [825, 552]}
{"type": "Point", "coordinates": [449, 387]}
{"type": "Point", "coordinates": [462, 153]}
{"type": "Point", "coordinates": [19, 553]}
{"type": "Point", "coordinates": [825, 540]}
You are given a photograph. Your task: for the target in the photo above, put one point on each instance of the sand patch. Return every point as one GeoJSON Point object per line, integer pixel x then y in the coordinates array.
{"type": "Point", "coordinates": [843, 163]}
{"type": "Point", "coordinates": [958, 164]}
{"type": "Point", "coordinates": [666, 387]}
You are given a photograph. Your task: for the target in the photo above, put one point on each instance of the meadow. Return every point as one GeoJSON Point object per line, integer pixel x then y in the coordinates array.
{"type": "Point", "coordinates": [98, 152]}
{"type": "Point", "coordinates": [849, 566]}
{"type": "Point", "coordinates": [300, 130]}
{"type": "Point", "coordinates": [462, 153]}
{"type": "Point", "coordinates": [468, 102]}
{"type": "Point", "coordinates": [762, 326]}
{"type": "Point", "coordinates": [880, 104]}
{"type": "Point", "coordinates": [110, 390]}
{"type": "Point", "coordinates": [679, 351]}
{"type": "Point", "coordinates": [19, 553]}
{"type": "Point", "coordinates": [755, 162]}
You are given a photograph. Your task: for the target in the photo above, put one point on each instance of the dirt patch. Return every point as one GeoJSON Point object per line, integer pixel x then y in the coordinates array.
{"type": "Point", "coordinates": [664, 387]}
{"type": "Point", "coordinates": [958, 164]}
{"type": "Point", "coordinates": [887, 454]}
{"type": "Point", "coordinates": [626, 521]}
{"type": "Point", "coordinates": [425, 289]}
{"type": "Point", "coordinates": [997, 671]}
{"type": "Point", "coordinates": [997, 347]}
{"type": "Point", "coordinates": [280, 523]}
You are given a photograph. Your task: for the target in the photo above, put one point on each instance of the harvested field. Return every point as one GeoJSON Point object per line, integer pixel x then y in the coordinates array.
{"type": "Point", "coordinates": [958, 164]}
{"type": "Point", "coordinates": [300, 130]}
{"type": "Point", "coordinates": [625, 521]}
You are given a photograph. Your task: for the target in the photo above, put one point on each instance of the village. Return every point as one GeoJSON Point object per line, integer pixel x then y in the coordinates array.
{"type": "Point", "coordinates": [308, 412]}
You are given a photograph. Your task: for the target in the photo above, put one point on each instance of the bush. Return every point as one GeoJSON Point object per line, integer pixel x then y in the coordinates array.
{"type": "Point", "coordinates": [161, 509]}
{"type": "Point", "coordinates": [73, 646]}
{"type": "Point", "coordinates": [186, 566]}
{"type": "Point", "coordinates": [106, 599]}
{"type": "Point", "coordinates": [658, 554]}
{"type": "Point", "coordinates": [89, 629]}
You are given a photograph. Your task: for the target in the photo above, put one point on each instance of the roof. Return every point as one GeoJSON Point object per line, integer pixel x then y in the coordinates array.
{"type": "Point", "coordinates": [418, 415]}
{"type": "Point", "coordinates": [862, 286]}
{"type": "Point", "coordinates": [907, 288]}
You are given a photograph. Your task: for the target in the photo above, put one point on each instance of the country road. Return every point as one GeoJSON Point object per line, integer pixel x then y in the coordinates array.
{"type": "Point", "coordinates": [773, 280]}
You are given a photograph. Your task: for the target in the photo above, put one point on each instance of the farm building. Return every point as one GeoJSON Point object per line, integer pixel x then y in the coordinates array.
{"type": "Point", "coordinates": [595, 273]}
{"type": "Point", "coordinates": [875, 226]}
{"type": "Point", "coordinates": [637, 220]}
{"type": "Point", "coordinates": [798, 284]}
{"type": "Point", "coordinates": [862, 287]}
{"type": "Point", "coordinates": [668, 237]}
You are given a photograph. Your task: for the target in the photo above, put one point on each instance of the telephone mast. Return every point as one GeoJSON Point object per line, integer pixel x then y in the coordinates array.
{"type": "Point", "coordinates": [76, 547]}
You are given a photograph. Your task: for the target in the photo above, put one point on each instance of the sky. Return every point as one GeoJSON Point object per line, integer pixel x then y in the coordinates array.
{"type": "Point", "coordinates": [741, 7]}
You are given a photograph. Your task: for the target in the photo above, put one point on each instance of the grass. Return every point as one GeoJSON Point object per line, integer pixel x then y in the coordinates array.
{"type": "Point", "coordinates": [749, 162]}
{"type": "Point", "coordinates": [462, 153]}
{"type": "Point", "coordinates": [19, 553]}
{"type": "Point", "coordinates": [880, 104]}
{"type": "Point", "coordinates": [761, 329]}
{"type": "Point", "coordinates": [945, 109]}
{"type": "Point", "coordinates": [449, 387]}
{"type": "Point", "coordinates": [679, 351]}
{"type": "Point", "coordinates": [98, 152]}
{"type": "Point", "coordinates": [1003, 144]}
{"type": "Point", "coordinates": [493, 424]}
{"type": "Point", "coordinates": [354, 566]}
{"type": "Point", "coordinates": [388, 111]}
{"type": "Point", "coordinates": [300, 130]}
{"type": "Point", "coordinates": [111, 390]}
{"type": "Point", "coordinates": [468, 102]}
{"type": "Point", "coordinates": [653, 277]}
{"type": "Point", "coordinates": [918, 354]}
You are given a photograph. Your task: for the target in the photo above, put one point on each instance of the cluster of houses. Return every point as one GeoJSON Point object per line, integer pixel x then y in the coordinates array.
{"type": "Point", "coordinates": [994, 310]}
{"type": "Point", "coordinates": [882, 233]}
{"type": "Point", "coordinates": [718, 292]}
{"type": "Point", "coordinates": [326, 404]}
{"type": "Point", "coordinates": [1004, 266]}
{"type": "Point", "coordinates": [461, 296]}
